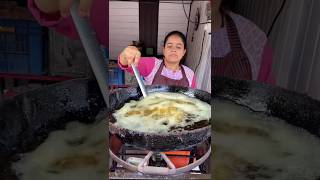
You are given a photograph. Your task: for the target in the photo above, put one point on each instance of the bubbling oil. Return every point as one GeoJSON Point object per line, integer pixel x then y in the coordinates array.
{"type": "Point", "coordinates": [250, 145]}
{"type": "Point", "coordinates": [162, 112]}
{"type": "Point", "coordinates": [77, 152]}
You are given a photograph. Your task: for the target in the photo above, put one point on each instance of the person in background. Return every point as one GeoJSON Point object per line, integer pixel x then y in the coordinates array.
{"type": "Point", "coordinates": [239, 48]}
{"type": "Point", "coordinates": [55, 14]}
{"type": "Point", "coordinates": [168, 71]}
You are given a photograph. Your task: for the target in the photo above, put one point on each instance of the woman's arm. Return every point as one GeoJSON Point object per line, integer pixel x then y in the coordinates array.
{"type": "Point", "coordinates": [131, 55]}
{"type": "Point", "coordinates": [56, 14]}
{"type": "Point", "coordinates": [63, 6]}
{"type": "Point", "coordinates": [47, 6]}
{"type": "Point", "coordinates": [145, 66]}
{"type": "Point", "coordinates": [53, 19]}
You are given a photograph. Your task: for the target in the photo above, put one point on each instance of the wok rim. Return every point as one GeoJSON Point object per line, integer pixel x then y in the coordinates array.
{"type": "Point", "coordinates": [115, 128]}
{"type": "Point", "coordinates": [182, 132]}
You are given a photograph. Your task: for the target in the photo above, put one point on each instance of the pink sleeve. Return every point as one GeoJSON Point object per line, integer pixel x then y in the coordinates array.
{"type": "Point", "coordinates": [145, 66]}
{"type": "Point", "coordinates": [62, 25]}
{"type": "Point", "coordinates": [265, 74]}
{"type": "Point", "coordinates": [194, 84]}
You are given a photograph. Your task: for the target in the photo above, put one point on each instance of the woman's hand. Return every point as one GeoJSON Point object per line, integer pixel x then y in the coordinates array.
{"type": "Point", "coordinates": [130, 55]}
{"type": "Point", "coordinates": [63, 6]}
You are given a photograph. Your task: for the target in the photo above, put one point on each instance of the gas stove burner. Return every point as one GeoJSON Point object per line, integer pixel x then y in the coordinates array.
{"type": "Point", "coordinates": [157, 160]}
{"type": "Point", "coordinates": [154, 165]}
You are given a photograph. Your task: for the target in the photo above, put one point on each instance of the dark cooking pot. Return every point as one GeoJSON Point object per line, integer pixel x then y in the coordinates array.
{"type": "Point", "coordinates": [174, 140]}
{"type": "Point", "coordinates": [27, 119]}
{"type": "Point", "coordinates": [296, 109]}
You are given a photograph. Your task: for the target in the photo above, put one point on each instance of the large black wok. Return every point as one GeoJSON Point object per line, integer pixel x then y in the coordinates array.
{"type": "Point", "coordinates": [183, 138]}
{"type": "Point", "coordinates": [27, 119]}
{"type": "Point", "coordinates": [296, 109]}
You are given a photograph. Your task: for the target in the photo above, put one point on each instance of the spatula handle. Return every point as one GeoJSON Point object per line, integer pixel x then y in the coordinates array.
{"type": "Point", "coordinates": [140, 82]}
{"type": "Point", "coordinates": [92, 48]}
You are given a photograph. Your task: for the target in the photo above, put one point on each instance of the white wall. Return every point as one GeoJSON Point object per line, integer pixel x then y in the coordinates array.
{"type": "Point", "coordinates": [67, 57]}
{"type": "Point", "coordinates": [261, 12]}
{"type": "Point", "coordinates": [307, 77]}
{"type": "Point", "coordinates": [171, 17]}
{"type": "Point", "coordinates": [203, 71]}
{"type": "Point", "coordinates": [124, 23]}
{"type": "Point", "coordinates": [123, 26]}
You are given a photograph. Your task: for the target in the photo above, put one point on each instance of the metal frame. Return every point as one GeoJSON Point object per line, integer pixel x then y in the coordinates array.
{"type": "Point", "coordinates": [142, 168]}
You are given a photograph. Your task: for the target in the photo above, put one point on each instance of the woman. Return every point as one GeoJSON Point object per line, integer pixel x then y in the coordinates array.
{"type": "Point", "coordinates": [240, 48]}
{"type": "Point", "coordinates": [168, 71]}
{"type": "Point", "coordinates": [56, 14]}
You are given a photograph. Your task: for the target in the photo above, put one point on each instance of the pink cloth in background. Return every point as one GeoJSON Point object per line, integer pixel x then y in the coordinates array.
{"type": "Point", "coordinates": [148, 66]}
{"type": "Point", "coordinates": [265, 73]}
{"type": "Point", "coordinates": [253, 41]}
{"type": "Point", "coordinates": [99, 19]}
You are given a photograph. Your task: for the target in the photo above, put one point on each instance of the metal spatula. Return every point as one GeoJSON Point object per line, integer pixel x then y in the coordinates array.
{"type": "Point", "coordinates": [89, 41]}
{"type": "Point", "coordinates": [140, 82]}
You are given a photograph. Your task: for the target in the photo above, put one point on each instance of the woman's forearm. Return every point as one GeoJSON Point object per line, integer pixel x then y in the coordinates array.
{"type": "Point", "coordinates": [47, 6]}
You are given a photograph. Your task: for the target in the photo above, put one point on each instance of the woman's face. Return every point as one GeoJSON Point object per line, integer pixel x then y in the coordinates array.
{"type": "Point", "coordinates": [173, 50]}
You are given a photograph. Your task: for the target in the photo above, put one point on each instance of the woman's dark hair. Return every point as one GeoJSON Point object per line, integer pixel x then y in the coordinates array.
{"type": "Point", "coordinates": [178, 33]}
